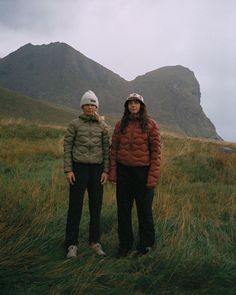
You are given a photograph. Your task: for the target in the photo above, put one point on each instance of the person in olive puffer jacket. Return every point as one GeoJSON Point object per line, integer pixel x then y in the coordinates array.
{"type": "Point", "coordinates": [86, 164]}
{"type": "Point", "coordinates": [135, 168]}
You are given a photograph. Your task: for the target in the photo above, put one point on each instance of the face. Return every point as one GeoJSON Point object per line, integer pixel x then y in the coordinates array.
{"type": "Point", "coordinates": [134, 106]}
{"type": "Point", "coordinates": [89, 109]}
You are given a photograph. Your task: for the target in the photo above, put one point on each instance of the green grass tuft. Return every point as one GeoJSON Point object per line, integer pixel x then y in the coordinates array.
{"type": "Point", "coordinates": [194, 210]}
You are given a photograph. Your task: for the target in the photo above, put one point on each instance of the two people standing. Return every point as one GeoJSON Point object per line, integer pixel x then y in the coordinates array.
{"type": "Point", "coordinates": [134, 167]}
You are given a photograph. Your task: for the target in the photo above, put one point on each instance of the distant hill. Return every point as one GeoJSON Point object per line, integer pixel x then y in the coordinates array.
{"type": "Point", "coordinates": [16, 106]}
{"type": "Point", "coordinates": [59, 74]}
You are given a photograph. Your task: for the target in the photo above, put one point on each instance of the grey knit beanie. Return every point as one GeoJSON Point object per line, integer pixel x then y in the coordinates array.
{"type": "Point", "coordinates": [89, 97]}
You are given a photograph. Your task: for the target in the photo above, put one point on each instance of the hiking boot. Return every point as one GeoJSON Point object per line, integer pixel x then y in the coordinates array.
{"type": "Point", "coordinates": [98, 249]}
{"type": "Point", "coordinates": [72, 251]}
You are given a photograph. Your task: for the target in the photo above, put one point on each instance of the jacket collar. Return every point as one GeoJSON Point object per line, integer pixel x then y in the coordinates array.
{"type": "Point", "coordinates": [134, 117]}
{"type": "Point", "coordinates": [88, 118]}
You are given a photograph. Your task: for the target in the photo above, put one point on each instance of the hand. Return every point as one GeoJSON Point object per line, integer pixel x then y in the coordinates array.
{"type": "Point", "coordinates": [104, 177]}
{"type": "Point", "coordinates": [70, 176]}
{"type": "Point", "coordinates": [112, 181]}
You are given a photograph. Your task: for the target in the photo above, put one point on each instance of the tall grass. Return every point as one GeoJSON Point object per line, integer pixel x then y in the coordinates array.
{"type": "Point", "coordinates": [194, 210]}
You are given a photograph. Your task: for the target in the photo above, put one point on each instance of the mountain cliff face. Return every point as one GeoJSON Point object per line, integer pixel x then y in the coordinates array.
{"type": "Point", "coordinates": [174, 96]}
{"type": "Point", "coordinates": [58, 73]}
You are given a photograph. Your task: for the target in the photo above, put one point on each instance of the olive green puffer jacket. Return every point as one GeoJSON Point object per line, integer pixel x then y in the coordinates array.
{"type": "Point", "coordinates": [86, 141]}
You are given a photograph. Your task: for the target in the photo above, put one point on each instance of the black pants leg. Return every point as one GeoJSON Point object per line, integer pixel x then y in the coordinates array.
{"type": "Point", "coordinates": [76, 197]}
{"type": "Point", "coordinates": [145, 219]}
{"type": "Point", "coordinates": [125, 201]}
{"type": "Point", "coordinates": [95, 194]}
{"type": "Point", "coordinates": [143, 199]}
{"type": "Point", "coordinates": [131, 184]}
{"type": "Point", "coordinates": [87, 176]}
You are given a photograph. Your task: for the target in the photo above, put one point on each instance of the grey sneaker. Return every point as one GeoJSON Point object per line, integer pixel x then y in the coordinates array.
{"type": "Point", "coordinates": [72, 251]}
{"type": "Point", "coordinates": [98, 249]}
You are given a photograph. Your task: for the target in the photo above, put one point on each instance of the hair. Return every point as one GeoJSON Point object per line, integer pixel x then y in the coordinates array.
{"type": "Point", "coordinates": [143, 118]}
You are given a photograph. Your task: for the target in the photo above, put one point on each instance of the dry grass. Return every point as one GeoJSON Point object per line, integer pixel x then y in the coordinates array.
{"type": "Point", "coordinates": [195, 218]}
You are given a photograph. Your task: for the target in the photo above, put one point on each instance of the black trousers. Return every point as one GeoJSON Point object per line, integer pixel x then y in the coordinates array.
{"type": "Point", "coordinates": [88, 177]}
{"type": "Point", "coordinates": [131, 185]}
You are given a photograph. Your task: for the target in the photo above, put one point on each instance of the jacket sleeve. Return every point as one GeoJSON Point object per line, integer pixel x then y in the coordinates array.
{"type": "Point", "coordinates": [113, 155]}
{"type": "Point", "coordinates": [105, 148]}
{"type": "Point", "coordinates": [68, 147]}
{"type": "Point", "coordinates": [155, 155]}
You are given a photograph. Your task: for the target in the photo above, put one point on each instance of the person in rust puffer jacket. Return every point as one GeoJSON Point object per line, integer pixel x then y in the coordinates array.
{"type": "Point", "coordinates": [135, 168]}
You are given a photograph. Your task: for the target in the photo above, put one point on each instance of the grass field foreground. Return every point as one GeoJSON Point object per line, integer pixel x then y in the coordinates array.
{"type": "Point", "coordinates": [194, 211]}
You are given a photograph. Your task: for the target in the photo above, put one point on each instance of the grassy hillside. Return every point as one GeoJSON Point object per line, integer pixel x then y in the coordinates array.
{"type": "Point", "coordinates": [16, 106]}
{"type": "Point", "coordinates": [195, 219]}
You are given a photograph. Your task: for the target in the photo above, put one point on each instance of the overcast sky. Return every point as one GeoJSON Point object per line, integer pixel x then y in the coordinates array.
{"type": "Point", "coordinates": [132, 37]}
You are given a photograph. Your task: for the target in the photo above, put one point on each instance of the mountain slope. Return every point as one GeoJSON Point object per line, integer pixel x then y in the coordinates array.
{"type": "Point", "coordinates": [14, 105]}
{"type": "Point", "coordinates": [58, 73]}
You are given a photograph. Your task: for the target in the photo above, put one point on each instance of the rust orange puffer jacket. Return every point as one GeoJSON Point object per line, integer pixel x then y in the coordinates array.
{"type": "Point", "coordinates": [134, 147]}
